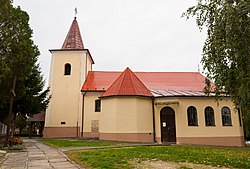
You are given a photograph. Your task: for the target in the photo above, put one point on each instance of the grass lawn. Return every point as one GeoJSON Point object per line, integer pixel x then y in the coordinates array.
{"type": "Point", "coordinates": [121, 157]}
{"type": "Point", "coordinates": [79, 143]}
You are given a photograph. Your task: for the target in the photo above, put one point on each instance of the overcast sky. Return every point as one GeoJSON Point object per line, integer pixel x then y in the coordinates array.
{"type": "Point", "coordinates": [144, 35]}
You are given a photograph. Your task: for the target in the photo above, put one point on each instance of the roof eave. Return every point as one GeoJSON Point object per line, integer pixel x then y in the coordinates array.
{"type": "Point", "coordinates": [126, 96]}
{"type": "Point", "coordinates": [187, 96]}
{"type": "Point", "coordinates": [55, 50]}
{"type": "Point", "coordinates": [92, 90]}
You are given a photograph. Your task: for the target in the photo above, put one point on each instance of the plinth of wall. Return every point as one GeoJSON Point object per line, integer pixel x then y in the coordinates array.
{"type": "Point", "coordinates": [61, 132]}
{"type": "Point", "coordinates": [215, 141]}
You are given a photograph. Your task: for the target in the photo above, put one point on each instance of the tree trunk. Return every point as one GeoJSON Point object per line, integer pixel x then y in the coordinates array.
{"type": "Point", "coordinates": [10, 116]}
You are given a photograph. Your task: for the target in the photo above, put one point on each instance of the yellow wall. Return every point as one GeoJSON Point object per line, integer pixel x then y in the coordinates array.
{"type": "Point", "coordinates": [126, 115]}
{"type": "Point", "coordinates": [66, 102]}
{"type": "Point", "coordinates": [182, 128]}
{"type": "Point", "coordinates": [89, 110]}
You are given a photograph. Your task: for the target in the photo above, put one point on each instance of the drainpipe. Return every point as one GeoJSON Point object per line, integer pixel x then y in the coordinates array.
{"type": "Point", "coordinates": [153, 108]}
{"type": "Point", "coordinates": [82, 112]}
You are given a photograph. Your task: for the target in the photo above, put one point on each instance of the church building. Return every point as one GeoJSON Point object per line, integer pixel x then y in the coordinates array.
{"type": "Point", "coordinates": [134, 106]}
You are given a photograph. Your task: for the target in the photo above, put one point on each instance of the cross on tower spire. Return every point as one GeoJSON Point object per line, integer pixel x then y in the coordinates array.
{"type": "Point", "coordinates": [76, 11]}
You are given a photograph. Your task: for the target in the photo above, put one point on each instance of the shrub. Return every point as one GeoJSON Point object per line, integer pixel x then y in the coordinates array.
{"type": "Point", "coordinates": [15, 141]}
{"type": "Point", "coordinates": [16, 147]}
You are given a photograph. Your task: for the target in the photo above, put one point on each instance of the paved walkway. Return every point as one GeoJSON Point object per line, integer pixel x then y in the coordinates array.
{"type": "Point", "coordinates": [37, 156]}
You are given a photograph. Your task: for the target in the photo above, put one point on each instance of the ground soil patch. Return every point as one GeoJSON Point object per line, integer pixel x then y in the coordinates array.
{"type": "Point", "coordinates": [158, 164]}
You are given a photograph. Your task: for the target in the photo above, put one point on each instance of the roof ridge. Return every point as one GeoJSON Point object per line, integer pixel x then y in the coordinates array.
{"type": "Point", "coordinates": [123, 73]}
{"type": "Point", "coordinates": [130, 74]}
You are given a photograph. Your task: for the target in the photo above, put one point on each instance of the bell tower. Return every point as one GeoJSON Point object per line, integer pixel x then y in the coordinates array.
{"type": "Point", "coordinates": [68, 71]}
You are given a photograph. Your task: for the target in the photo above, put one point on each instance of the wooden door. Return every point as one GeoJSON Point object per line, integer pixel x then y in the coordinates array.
{"type": "Point", "coordinates": [168, 131]}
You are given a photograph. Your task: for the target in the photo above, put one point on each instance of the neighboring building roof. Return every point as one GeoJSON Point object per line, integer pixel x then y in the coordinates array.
{"type": "Point", "coordinates": [159, 83]}
{"type": "Point", "coordinates": [127, 84]}
{"type": "Point", "coordinates": [73, 39]}
{"type": "Point", "coordinates": [37, 117]}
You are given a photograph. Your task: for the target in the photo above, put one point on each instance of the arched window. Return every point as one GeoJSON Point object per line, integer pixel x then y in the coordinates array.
{"type": "Point", "coordinates": [209, 116]}
{"type": "Point", "coordinates": [226, 116]}
{"type": "Point", "coordinates": [67, 69]}
{"type": "Point", "coordinates": [192, 116]}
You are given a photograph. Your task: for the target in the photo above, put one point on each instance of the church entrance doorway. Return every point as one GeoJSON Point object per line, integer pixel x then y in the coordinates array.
{"type": "Point", "coordinates": [168, 131]}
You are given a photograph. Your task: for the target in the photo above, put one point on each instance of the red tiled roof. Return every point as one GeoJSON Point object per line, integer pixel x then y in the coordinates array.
{"type": "Point", "coordinates": [167, 81]}
{"type": "Point", "coordinates": [37, 117]}
{"type": "Point", "coordinates": [73, 39]}
{"type": "Point", "coordinates": [127, 84]}
{"type": "Point", "coordinates": [99, 80]}
{"type": "Point", "coordinates": [189, 81]}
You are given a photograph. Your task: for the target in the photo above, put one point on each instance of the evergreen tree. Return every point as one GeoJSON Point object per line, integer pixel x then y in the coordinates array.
{"type": "Point", "coordinates": [21, 123]}
{"type": "Point", "coordinates": [33, 99]}
{"type": "Point", "coordinates": [226, 52]}
{"type": "Point", "coordinates": [20, 78]}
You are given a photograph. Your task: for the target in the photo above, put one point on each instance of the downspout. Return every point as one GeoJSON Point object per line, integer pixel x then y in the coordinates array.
{"type": "Point", "coordinates": [153, 109]}
{"type": "Point", "coordinates": [82, 112]}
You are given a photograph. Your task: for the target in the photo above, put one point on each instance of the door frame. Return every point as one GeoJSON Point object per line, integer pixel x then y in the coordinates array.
{"type": "Point", "coordinates": [165, 113]}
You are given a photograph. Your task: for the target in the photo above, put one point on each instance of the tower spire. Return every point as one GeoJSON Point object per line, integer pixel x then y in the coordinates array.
{"type": "Point", "coordinates": [73, 39]}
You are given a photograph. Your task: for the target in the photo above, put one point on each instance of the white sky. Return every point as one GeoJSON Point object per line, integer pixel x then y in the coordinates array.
{"type": "Point", "coordinates": [144, 35]}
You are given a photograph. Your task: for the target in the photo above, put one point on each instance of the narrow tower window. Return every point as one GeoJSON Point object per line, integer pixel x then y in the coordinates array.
{"type": "Point", "coordinates": [67, 69]}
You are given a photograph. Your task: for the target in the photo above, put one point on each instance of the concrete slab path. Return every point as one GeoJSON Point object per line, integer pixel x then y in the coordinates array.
{"type": "Point", "coordinates": [37, 156]}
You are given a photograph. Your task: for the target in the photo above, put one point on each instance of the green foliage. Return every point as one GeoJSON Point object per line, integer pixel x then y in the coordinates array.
{"type": "Point", "coordinates": [226, 52]}
{"type": "Point", "coordinates": [18, 57]}
{"type": "Point", "coordinates": [16, 147]}
{"type": "Point", "coordinates": [78, 143]}
{"type": "Point", "coordinates": [246, 121]}
{"type": "Point", "coordinates": [31, 99]}
{"type": "Point", "coordinates": [17, 51]}
{"type": "Point", "coordinates": [120, 157]}
{"type": "Point", "coordinates": [21, 123]}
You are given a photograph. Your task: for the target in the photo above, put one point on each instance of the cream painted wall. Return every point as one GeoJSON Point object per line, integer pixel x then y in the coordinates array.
{"type": "Point", "coordinates": [144, 115]}
{"type": "Point", "coordinates": [108, 115]}
{"type": "Point", "coordinates": [66, 102]}
{"type": "Point", "coordinates": [182, 128]}
{"type": "Point", "coordinates": [89, 109]}
{"type": "Point", "coordinates": [126, 115]}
